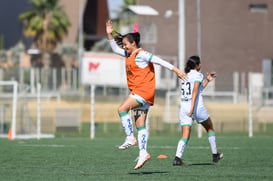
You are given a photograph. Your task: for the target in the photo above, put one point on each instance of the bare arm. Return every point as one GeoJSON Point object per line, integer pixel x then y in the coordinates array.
{"type": "Point", "coordinates": [194, 96]}
{"type": "Point", "coordinates": [209, 77]}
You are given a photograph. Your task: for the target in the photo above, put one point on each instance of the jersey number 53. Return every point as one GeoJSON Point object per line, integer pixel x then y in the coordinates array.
{"type": "Point", "coordinates": [186, 88]}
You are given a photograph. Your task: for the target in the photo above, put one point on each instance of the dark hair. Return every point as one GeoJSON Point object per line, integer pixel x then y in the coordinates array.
{"type": "Point", "coordinates": [132, 37]}
{"type": "Point", "coordinates": [192, 62]}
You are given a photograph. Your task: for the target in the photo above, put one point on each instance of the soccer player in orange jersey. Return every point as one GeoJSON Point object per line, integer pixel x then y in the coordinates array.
{"type": "Point", "coordinates": [141, 83]}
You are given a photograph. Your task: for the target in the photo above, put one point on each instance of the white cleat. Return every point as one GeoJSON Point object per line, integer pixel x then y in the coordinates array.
{"type": "Point", "coordinates": [142, 160]}
{"type": "Point", "coordinates": [128, 143]}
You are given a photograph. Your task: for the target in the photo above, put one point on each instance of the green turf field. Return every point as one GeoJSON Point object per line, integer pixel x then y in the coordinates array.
{"type": "Point", "coordinates": [99, 159]}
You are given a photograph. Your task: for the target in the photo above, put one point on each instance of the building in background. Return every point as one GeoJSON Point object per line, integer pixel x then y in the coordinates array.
{"type": "Point", "coordinates": [236, 35]}
{"type": "Point", "coordinates": [93, 14]}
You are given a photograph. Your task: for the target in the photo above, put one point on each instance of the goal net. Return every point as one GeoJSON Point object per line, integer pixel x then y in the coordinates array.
{"type": "Point", "coordinates": [17, 119]}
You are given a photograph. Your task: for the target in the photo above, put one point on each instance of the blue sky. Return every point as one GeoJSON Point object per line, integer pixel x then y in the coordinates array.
{"type": "Point", "coordinates": [114, 5]}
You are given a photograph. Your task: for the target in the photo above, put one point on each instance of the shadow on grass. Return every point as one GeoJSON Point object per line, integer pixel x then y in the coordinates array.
{"type": "Point", "coordinates": [199, 164]}
{"type": "Point", "coordinates": [147, 173]}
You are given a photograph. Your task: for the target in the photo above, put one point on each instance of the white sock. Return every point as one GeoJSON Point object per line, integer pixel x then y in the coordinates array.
{"type": "Point", "coordinates": [212, 142]}
{"type": "Point", "coordinates": [181, 146]}
{"type": "Point", "coordinates": [142, 138]}
{"type": "Point", "coordinates": [127, 124]}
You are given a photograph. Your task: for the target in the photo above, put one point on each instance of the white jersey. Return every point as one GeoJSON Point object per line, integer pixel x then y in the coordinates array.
{"type": "Point", "coordinates": [200, 113]}
{"type": "Point", "coordinates": [187, 86]}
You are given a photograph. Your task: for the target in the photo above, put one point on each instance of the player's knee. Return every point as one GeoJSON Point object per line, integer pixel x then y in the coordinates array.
{"type": "Point", "coordinates": [122, 109]}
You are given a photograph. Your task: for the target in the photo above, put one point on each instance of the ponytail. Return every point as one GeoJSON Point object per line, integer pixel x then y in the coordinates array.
{"type": "Point", "coordinates": [118, 38]}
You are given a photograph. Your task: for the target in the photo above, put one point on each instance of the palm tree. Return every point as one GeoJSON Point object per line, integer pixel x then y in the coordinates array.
{"type": "Point", "coordinates": [47, 24]}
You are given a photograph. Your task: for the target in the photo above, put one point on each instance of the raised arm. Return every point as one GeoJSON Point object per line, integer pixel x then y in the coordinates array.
{"type": "Point", "coordinates": [209, 77]}
{"type": "Point", "coordinates": [109, 31]}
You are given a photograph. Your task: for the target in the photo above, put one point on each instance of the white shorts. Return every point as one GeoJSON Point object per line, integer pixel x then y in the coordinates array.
{"type": "Point", "coordinates": [144, 105]}
{"type": "Point", "coordinates": [200, 114]}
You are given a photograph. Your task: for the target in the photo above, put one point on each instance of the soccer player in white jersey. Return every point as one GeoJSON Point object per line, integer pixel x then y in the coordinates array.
{"type": "Point", "coordinates": [192, 108]}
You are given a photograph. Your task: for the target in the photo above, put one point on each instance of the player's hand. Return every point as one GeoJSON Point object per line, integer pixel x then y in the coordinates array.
{"type": "Point", "coordinates": [210, 76]}
{"type": "Point", "coordinates": [189, 114]}
{"type": "Point", "coordinates": [109, 27]}
{"type": "Point", "coordinates": [182, 75]}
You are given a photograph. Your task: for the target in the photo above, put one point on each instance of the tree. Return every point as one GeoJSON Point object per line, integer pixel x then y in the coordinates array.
{"type": "Point", "coordinates": [46, 23]}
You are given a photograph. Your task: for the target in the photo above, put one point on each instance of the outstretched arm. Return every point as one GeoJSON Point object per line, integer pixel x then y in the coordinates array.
{"type": "Point", "coordinates": [181, 74]}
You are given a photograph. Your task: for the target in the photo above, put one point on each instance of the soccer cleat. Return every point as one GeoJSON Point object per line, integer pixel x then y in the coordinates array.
{"type": "Point", "coordinates": [178, 162]}
{"type": "Point", "coordinates": [216, 157]}
{"type": "Point", "coordinates": [142, 160]}
{"type": "Point", "coordinates": [128, 143]}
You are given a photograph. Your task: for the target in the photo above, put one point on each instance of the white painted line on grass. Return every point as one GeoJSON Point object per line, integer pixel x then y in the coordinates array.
{"type": "Point", "coordinates": [54, 146]}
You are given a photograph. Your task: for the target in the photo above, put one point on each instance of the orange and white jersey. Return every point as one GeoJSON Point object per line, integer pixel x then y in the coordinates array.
{"type": "Point", "coordinates": [141, 80]}
{"type": "Point", "coordinates": [140, 71]}
{"type": "Point", "coordinates": [142, 58]}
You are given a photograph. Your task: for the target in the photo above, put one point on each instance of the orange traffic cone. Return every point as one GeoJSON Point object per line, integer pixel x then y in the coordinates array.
{"type": "Point", "coordinates": [10, 134]}
{"type": "Point", "coordinates": [162, 156]}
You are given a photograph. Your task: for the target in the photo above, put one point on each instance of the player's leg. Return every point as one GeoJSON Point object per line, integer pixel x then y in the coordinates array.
{"type": "Point", "coordinates": [140, 120]}
{"type": "Point", "coordinates": [181, 146]}
{"type": "Point", "coordinates": [186, 123]}
{"type": "Point", "coordinates": [211, 135]}
{"type": "Point", "coordinates": [126, 121]}
{"type": "Point", "coordinates": [208, 125]}
{"type": "Point", "coordinates": [202, 117]}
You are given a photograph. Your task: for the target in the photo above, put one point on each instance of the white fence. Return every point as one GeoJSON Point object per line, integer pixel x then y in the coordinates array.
{"type": "Point", "coordinates": [242, 109]}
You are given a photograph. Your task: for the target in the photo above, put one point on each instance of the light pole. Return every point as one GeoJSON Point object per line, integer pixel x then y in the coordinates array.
{"type": "Point", "coordinates": [80, 40]}
{"type": "Point", "coordinates": [198, 28]}
{"type": "Point", "coordinates": [181, 34]}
